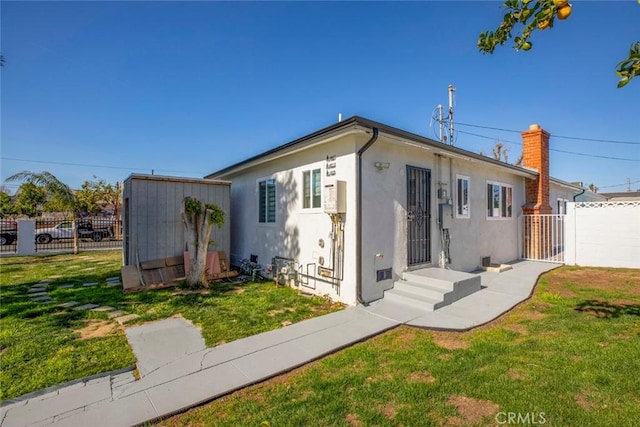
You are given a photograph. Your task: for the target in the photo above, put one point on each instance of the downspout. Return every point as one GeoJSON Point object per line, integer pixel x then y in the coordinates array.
{"type": "Point", "coordinates": [579, 194]}
{"type": "Point", "coordinates": [359, 216]}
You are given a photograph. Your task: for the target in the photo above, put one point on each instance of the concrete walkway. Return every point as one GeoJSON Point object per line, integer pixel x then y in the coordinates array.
{"type": "Point", "coordinates": [178, 372]}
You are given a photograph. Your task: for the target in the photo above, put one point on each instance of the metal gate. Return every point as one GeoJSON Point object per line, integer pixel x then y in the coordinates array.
{"type": "Point", "coordinates": [418, 216]}
{"type": "Point", "coordinates": [543, 237]}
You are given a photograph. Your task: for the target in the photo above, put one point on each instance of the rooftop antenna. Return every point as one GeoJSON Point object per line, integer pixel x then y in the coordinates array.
{"type": "Point", "coordinates": [339, 117]}
{"type": "Point", "coordinates": [437, 117]}
{"type": "Point", "coordinates": [451, 90]}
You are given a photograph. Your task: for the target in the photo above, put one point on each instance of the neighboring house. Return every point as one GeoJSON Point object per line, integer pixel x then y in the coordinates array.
{"type": "Point", "coordinates": [627, 196]}
{"type": "Point", "coordinates": [358, 203]}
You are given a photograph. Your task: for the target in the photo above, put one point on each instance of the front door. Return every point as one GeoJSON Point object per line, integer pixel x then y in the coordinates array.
{"type": "Point", "coordinates": [418, 216]}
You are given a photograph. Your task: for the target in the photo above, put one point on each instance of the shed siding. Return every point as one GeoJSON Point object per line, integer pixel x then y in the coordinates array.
{"type": "Point", "coordinates": [155, 223]}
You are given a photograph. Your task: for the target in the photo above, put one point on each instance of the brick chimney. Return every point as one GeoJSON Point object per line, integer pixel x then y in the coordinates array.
{"type": "Point", "coordinates": [535, 155]}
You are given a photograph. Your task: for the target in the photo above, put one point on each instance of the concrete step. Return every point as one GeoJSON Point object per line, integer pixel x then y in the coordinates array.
{"type": "Point", "coordinates": [413, 300]}
{"type": "Point", "coordinates": [434, 287]}
{"type": "Point", "coordinates": [415, 288]}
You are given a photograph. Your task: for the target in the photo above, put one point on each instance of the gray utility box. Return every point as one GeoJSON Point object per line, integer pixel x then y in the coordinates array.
{"type": "Point", "coordinates": [152, 225]}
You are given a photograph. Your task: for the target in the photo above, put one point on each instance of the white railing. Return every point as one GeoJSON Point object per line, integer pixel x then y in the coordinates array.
{"type": "Point", "coordinates": [543, 237]}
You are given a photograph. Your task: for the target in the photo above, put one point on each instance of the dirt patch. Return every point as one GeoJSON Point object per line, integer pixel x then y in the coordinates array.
{"type": "Point", "coordinates": [518, 328]}
{"type": "Point", "coordinates": [3, 351]}
{"type": "Point", "coordinates": [449, 340]}
{"type": "Point", "coordinates": [470, 410]}
{"type": "Point", "coordinates": [533, 313]}
{"type": "Point", "coordinates": [190, 292]}
{"type": "Point", "coordinates": [388, 410]}
{"type": "Point", "coordinates": [445, 356]}
{"type": "Point", "coordinates": [420, 377]}
{"type": "Point", "coordinates": [404, 338]}
{"type": "Point", "coordinates": [379, 377]}
{"type": "Point", "coordinates": [235, 290]}
{"type": "Point", "coordinates": [582, 399]}
{"type": "Point", "coordinates": [95, 329]}
{"type": "Point", "coordinates": [353, 420]}
{"type": "Point", "coordinates": [514, 374]}
{"type": "Point", "coordinates": [272, 313]}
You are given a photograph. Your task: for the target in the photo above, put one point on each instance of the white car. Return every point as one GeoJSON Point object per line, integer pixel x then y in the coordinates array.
{"type": "Point", "coordinates": [65, 230]}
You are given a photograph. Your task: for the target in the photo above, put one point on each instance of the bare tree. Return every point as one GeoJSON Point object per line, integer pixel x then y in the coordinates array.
{"type": "Point", "coordinates": [199, 220]}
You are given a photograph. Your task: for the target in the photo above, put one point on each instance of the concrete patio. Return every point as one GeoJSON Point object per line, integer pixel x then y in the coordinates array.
{"type": "Point", "coordinates": [178, 372]}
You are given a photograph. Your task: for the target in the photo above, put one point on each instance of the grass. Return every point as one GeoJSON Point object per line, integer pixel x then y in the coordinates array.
{"type": "Point", "coordinates": [43, 345]}
{"type": "Point", "coordinates": [567, 357]}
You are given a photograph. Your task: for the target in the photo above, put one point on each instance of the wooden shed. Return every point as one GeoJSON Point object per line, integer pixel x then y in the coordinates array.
{"type": "Point", "coordinates": [152, 223]}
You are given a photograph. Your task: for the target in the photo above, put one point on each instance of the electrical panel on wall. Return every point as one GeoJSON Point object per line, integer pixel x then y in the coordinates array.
{"type": "Point", "coordinates": [335, 196]}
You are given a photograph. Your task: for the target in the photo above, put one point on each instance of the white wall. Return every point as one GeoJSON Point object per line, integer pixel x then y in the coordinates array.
{"type": "Point", "coordinates": [296, 232]}
{"type": "Point", "coordinates": [385, 217]}
{"type": "Point", "coordinates": [603, 234]}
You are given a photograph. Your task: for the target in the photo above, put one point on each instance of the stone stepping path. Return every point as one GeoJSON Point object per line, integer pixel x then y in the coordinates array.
{"type": "Point", "coordinates": [38, 293]}
{"type": "Point", "coordinates": [124, 319]}
{"type": "Point", "coordinates": [86, 306]}
{"type": "Point", "coordinates": [103, 308]}
{"type": "Point", "coordinates": [115, 314]}
{"type": "Point", "coordinates": [68, 304]}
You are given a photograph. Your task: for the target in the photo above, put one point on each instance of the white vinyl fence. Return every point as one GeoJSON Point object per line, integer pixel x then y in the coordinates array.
{"type": "Point", "coordinates": [603, 234]}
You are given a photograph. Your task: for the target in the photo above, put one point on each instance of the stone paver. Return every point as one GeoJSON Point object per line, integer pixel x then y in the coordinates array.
{"type": "Point", "coordinates": [42, 298]}
{"type": "Point", "coordinates": [65, 286]}
{"type": "Point", "coordinates": [89, 284]}
{"type": "Point", "coordinates": [37, 294]}
{"type": "Point", "coordinates": [124, 319]}
{"type": "Point", "coordinates": [86, 307]}
{"type": "Point", "coordinates": [103, 308]}
{"type": "Point", "coordinates": [36, 289]}
{"type": "Point", "coordinates": [112, 284]}
{"type": "Point", "coordinates": [111, 279]}
{"type": "Point", "coordinates": [68, 304]}
{"type": "Point", "coordinates": [116, 314]}
{"type": "Point", "coordinates": [45, 282]}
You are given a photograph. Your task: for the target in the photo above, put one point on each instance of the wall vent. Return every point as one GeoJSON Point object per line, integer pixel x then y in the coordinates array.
{"type": "Point", "coordinates": [383, 275]}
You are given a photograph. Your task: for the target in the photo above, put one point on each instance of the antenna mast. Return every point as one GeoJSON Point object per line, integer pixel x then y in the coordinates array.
{"type": "Point", "coordinates": [437, 116]}
{"type": "Point", "coordinates": [451, 90]}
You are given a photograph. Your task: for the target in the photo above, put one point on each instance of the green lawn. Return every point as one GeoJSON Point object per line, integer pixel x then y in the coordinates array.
{"type": "Point", "coordinates": [570, 356]}
{"type": "Point", "coordinates": [43, 345]}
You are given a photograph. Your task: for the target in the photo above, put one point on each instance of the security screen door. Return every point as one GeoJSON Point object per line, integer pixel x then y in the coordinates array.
{"type": "Point", "coordinates": [418, 216]}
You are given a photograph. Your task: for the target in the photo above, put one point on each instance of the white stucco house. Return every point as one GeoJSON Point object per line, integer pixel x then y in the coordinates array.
{"type": "Point", "coordinates": [356, 205]}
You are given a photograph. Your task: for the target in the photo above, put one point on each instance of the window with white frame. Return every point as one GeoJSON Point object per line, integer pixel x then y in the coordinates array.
{"type": "Point", "coordinates": [499, 200]}
{"type": "Point", "coordinates": [311, 189]}
{"type": "Point", "coordinates": [267, 201]}
{"type": "Point", "coordinates": [462, 197]}
{"type": "Point", "coordinates": [562, 206]}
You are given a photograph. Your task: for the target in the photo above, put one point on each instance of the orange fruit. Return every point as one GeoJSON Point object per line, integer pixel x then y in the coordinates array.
{"type": "Point", "coordinates": [544, 24]}
{"type": "Point", "coordinates": [564, 12]}
{"type": "Point", "coordinates": [560, 3]}
{"type": "Point", "coordinates": [526, 46]}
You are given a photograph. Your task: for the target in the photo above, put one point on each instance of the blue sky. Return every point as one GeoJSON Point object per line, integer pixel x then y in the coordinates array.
{"type": "Point", "coordinates": [113, 88]}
